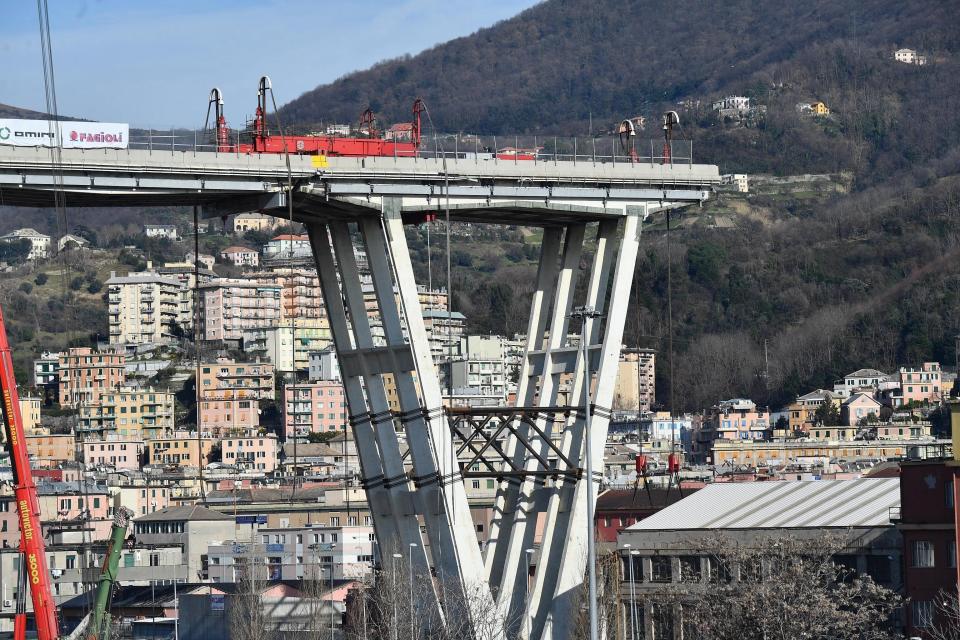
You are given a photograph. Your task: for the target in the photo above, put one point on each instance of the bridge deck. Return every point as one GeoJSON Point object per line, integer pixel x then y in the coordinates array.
{"type": "Point", "coordinates": [495, 190]}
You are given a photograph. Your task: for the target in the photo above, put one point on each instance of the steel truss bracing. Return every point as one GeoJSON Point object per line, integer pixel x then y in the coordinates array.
{"type": "Point", "coordinates": [534, 451]}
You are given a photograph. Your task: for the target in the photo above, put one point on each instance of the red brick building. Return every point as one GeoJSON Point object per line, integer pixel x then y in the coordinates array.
{"type": "Point", "coordinates": [619, 508]}
{"type": "Point", "coordinates": [928, 525]}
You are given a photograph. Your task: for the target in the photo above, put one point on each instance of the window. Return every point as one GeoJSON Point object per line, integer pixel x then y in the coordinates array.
{"type": "Point", "coordinates": [690, 568]}
{"type": "Point", "coordinates": [948, 493]}
{"type": "Point", "coordinates": [922, 552]}
{"type": "Point", "coordinates": [952, 553]}
{"type": "Point", "coordinates": [662, 569]}
{"type": "Point", "coordinates": [334, 521]}
{"type": "Point", "coordinates": [71, 562]}
{"type": "Point", "coordinates": [921, 613]}
{"type": "Point", "coordinates": [719, 570]}
{"type": "Point", "coordinates": [878, 567]}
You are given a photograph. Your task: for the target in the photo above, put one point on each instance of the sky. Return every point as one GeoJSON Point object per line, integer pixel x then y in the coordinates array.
{"type": "Point", "coordinates": [152, 63]}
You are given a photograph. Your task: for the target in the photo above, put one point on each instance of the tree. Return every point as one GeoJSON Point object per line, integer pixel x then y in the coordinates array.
{"type": "Point", "coordinates": [247, 618]}
{"type": "Point", "coordinates": [26, 287]}
{"type": "Point", "coordinates": [827, 414]}
{"type": "Point", "coordinates": [41, 279]}
{"type": "Point", "coordinates": [946, 617]}
{"type": "Point", "coordinates": [15, 251]}
{"type": "Point", "coordinates": [782, 424]}
{"type": "Point", "coordinates": [779, 587]}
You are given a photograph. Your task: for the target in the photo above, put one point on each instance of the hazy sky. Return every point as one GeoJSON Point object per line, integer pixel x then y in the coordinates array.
{"type": "Point", "coordinates": [153, 62]}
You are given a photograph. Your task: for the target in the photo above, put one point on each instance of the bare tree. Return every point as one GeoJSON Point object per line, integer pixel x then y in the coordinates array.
{"type": "Point", "coordinates": [247, 618]}
{"type": "Point", "coordinates": [775, 588]}
{"type": "Point", "coordinates": [400, 605]}
{"type": "Point", "coordinates": [946, 617]}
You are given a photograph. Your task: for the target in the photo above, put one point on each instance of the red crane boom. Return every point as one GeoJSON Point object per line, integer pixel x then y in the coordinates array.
{"type": "Point", "coordinates": [32, 550]}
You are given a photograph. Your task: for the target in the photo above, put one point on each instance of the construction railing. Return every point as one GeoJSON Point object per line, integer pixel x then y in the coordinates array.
{"type": "Point", "coordinates": [466, 148]}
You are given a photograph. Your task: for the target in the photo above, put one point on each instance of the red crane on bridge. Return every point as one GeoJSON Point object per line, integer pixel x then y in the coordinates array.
{"type": "Point", "coordinates": [261, 140]}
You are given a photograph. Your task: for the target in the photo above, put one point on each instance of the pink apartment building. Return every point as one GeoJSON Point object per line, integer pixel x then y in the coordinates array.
{"type": "Point", "coordinates": [86, 374]}
{"type": "Point", "coordinates": [113, 451]}
{"type": "Point", "coordinates": [918, 385]}
{"type": "Point", "coordinates": [217, 417]}
{"type": "Point", "coordinates": [315, 407]}
{"type": "Point", "coordinates": [228, 306]}
{"type": "Point", "coordinates": [255, 453]}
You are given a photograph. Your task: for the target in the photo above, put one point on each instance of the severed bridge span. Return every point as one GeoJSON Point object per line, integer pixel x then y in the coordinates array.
{"type": "Point", "coordinates": [535, 450]}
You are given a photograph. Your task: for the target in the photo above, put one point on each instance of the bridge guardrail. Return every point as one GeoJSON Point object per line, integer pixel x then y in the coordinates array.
{"type": "Point", "coordinates": [468, 148]}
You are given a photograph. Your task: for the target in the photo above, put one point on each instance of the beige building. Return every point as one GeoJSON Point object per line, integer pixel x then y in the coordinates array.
{"type": "Point", "coordinates": [750, 452]}
{"type": "Point", "coordinates": [30, 414]}
{"type": "Point", "coordinates": [39, 242]}
{"type": "Point", "coordinates": [636, 385]}
{"type": "Point", "coordinates": [229, 306]}
{"type": "Point", "coordinates": [181, 448]}
{"type": "Point", "coordinates": [227, 379]}
{"type": "Point", "coordinates": [142, 308]}
{"type": "Point", "coordinates": [255, 453]}
{"type": "Point", "coordinates": [252, 221]}
{"type": "Point", "coordinates": [47, 450]}
{"type": "Point", "coordinates": [85, 375]}
{"type": "Point", "coordinates": [129, 412]}
{"type": "Point", "coordinates": [217, 417]}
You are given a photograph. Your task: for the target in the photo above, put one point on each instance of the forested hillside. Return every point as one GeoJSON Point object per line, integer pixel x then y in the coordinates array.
{"type": "Point", "coordinates": [865, 276]}
{"type": "Point", "coordinates": [774, 293]}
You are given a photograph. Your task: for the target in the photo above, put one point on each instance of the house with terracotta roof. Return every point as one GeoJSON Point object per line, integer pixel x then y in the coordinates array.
{"type": "Point", "coordinates": [241, 256]}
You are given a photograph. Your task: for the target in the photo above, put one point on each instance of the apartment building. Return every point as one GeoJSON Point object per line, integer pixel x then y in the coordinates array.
{"type": "Point", "coordinates": [635, 389]}
{"type": "Point", "coordinates": [314, 408]}
{"type": "Point", "coordinates": [142, 308]}
{"type": "Point", "coordinates": [181, 448]}
{"type": "Point", "coordinates": [288, 346]}
{"type": "Point", "coordinates": [478, 368]}
{"type": "Point", "coordinates": [227, 379]}
{"type": "Point", "coordinates": [192, 528]}
{"type": "Point", "coordinates": [86, 374]}
{"type": "Point", "coordinates": [230, 306]}
{"type": "Point", "coordinates": [255, 453]}
{"type": "Point", "coordinates": [737, 419]}
{"type": "Point", "coordinates": [323, 365]}
{"type": "Point", "coordinates": [128, 411]}
{"type": "Point", "coordinates": [46, 369]}
{"type": "Point", "coordinates": [232, 415]}
{"type": "Point", "coordinates": [801, 411]}
{"type": "Point", "coordinates": [253, 221]}
{"type": "Point", "coordinates": [918, 385]}
{"type": "Point", "coordinates": [47, 450]}
{"type": "Point", "coordinates": [186, 274]}
{"type": "Point", "coordinates": [117, 451]}
{"type": "Point", "coordinates": [30, 414]}
{"type": "Point", "coordinates": [444, 331]}
{"type": "Point", "coordinates": [297, 553]}
{"type": "Point", "coordinates": [300, 293]}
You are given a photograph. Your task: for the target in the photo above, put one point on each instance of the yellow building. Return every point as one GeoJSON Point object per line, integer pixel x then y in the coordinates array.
{"type": "Point", "coordinates": [747, 452]}
{"type": "Point", "coordinates": [181, 448]}
{"type": "Point", "coordinates": [129, 412]}
{"type": "Point", "coordinates": [820, 109]}
{"type": "Point", "coordinates": [30, 414]}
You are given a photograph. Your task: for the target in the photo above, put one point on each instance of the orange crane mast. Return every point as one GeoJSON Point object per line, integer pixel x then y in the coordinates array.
{"type": "Point", "coordinates": [32, 549]}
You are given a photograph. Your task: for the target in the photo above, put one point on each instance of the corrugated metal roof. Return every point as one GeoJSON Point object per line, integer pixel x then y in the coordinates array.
{"type": "Point", "coordinates": [864, 502]}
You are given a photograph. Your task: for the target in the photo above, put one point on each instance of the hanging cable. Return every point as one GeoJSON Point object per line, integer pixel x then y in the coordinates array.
{"type": "Point", "coordinates": [196, 343]}
{"type": "Point", "coordinates": [267, 85]}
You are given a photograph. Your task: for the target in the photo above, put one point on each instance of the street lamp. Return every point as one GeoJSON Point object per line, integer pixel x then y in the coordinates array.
{"type": "Point", "coordinates": [395, 556]}
{"type": "Point", "coordinates": [410, 561]}
{"type": "Point", "coordinates": [587, 314]}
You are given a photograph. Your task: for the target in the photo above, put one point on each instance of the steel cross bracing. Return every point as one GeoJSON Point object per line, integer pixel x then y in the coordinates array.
{"type": "Point", "coordinates": [534, 450]}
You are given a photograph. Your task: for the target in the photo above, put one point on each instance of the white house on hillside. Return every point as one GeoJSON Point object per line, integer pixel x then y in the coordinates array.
{"type": "Point", "coordinates": [39, 243]}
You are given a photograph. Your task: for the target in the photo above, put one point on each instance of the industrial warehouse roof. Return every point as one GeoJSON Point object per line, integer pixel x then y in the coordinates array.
{"type": "Point", "coordinates": [865, 502]}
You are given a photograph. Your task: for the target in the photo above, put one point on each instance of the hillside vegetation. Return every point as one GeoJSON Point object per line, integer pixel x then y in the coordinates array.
{"type": "Point", "coordinates": [774, 293]}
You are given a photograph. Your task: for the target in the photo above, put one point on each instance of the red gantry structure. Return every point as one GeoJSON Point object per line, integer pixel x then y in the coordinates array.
{"type": "Point", "coordinates": [261, 140]}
